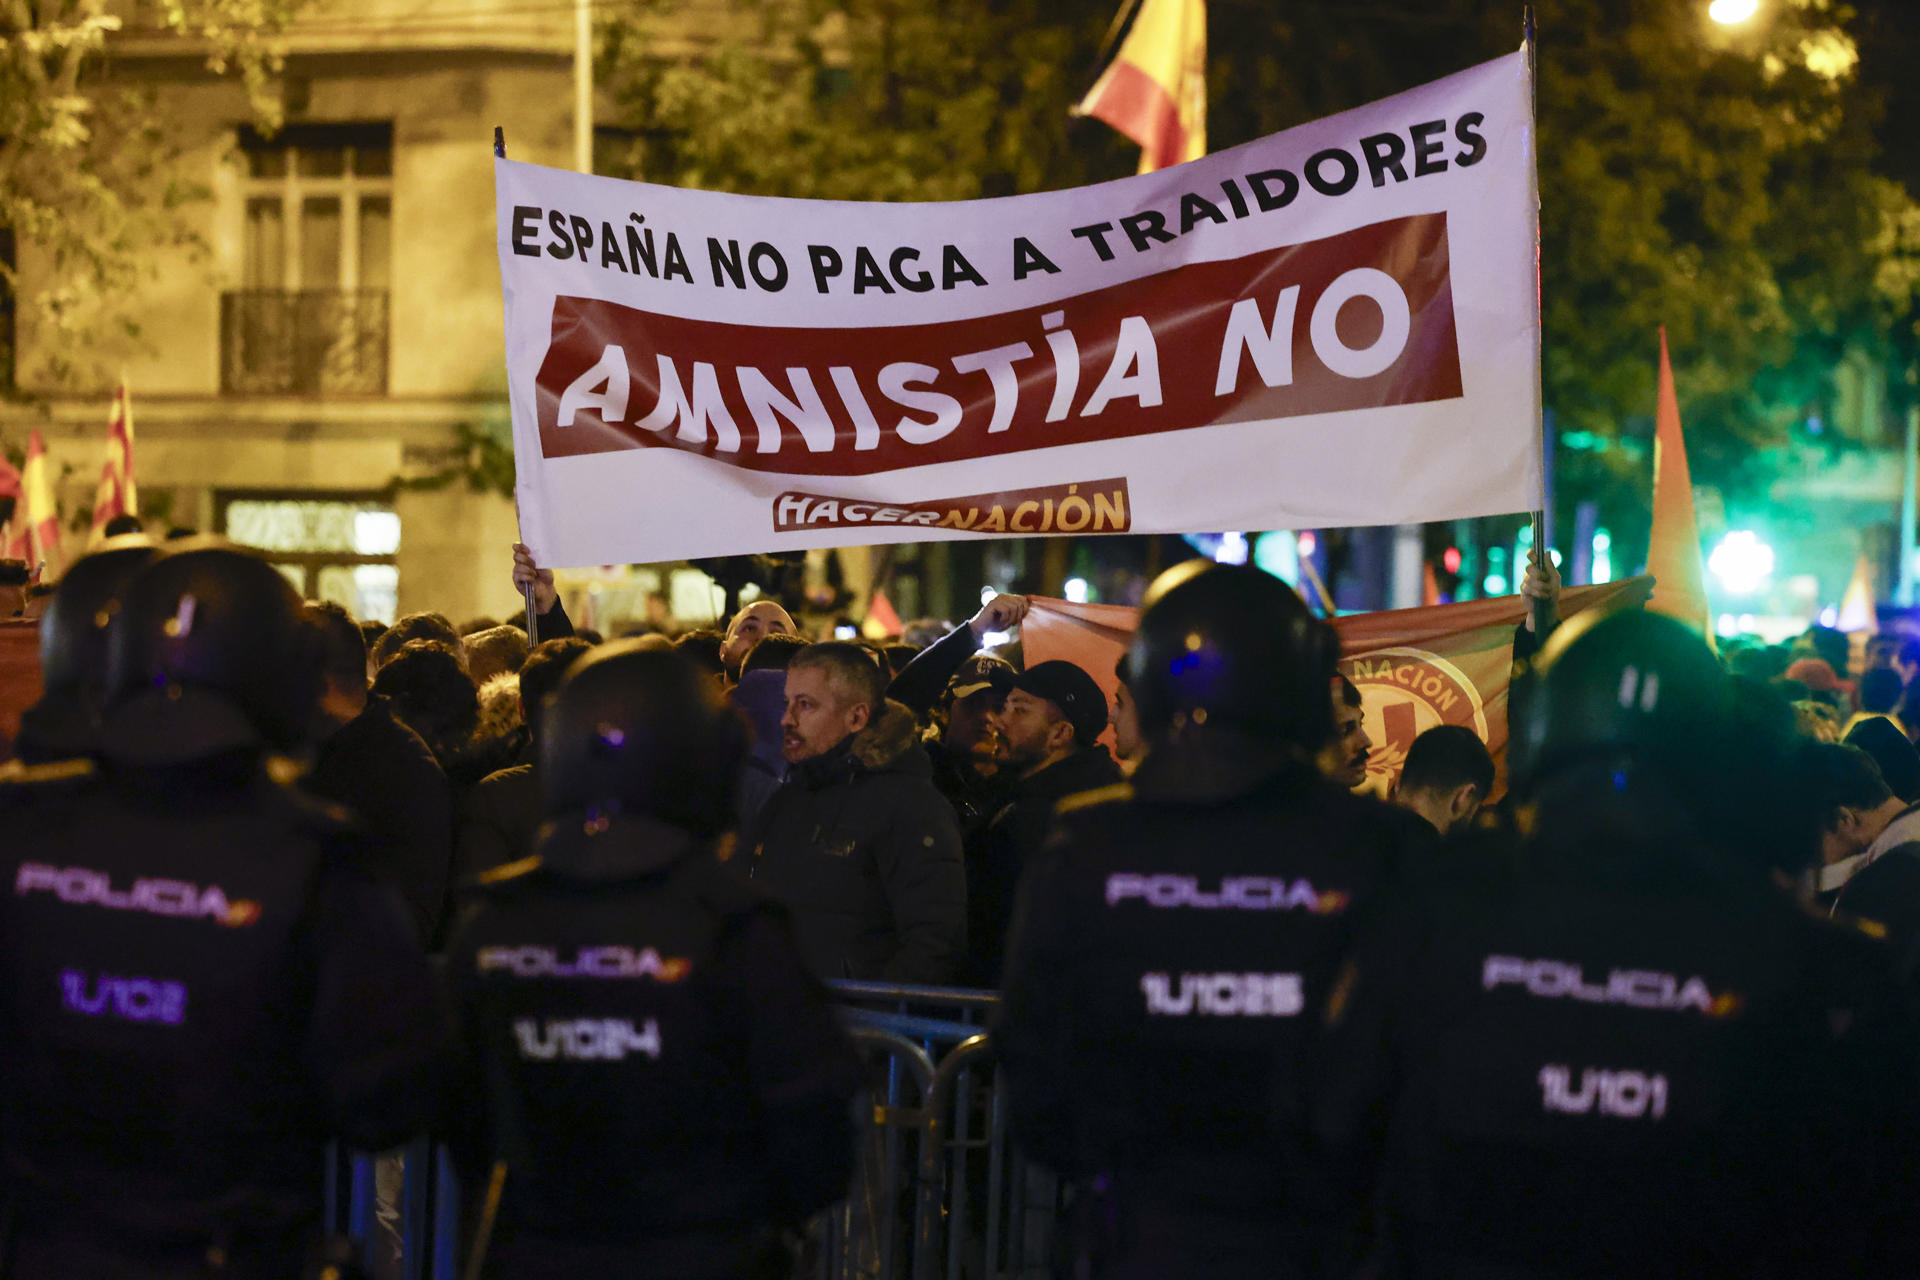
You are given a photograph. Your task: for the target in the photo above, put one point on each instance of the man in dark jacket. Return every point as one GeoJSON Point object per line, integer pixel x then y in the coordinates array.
{"type": "Point", "coordinates": [503, 813]}
{"type": "Point", "coordinates": [963, 742]}
{"type": "Point", "coordinates": [1176, 939]}
{"type": "Point", "coordinates": [1446, 778]}
{"type": "Point", "coordinates": [1050, 728]}
{"type": "Point", "coordinates": [921, 684]}
{"type": "Point", "coordinates": [857, 843]}
{"type": "Point", "coordinates": [198, 987]}
{"type": "Point", "coordinates": [659, 1083]}
{"type": "Point", "coordinates": [382, 773]}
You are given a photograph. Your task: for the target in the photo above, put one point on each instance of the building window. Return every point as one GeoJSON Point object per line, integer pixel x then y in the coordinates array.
{"type": "Point", "coordinates": [311, 315]}
{"type": "Point", "coordinates": [342, 548]}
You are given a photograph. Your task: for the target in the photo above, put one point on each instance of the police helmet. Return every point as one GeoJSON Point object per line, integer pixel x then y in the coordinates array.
{"type": "Point", "coordinates": [642, 731]}
{"type": "Point", "coordinates": [73, 631]}
{"type": "Point", "coordinates": [1230, 645]}
{"type": "Point", "coordinates": [73, 649]}
{"type": "Point", "coordinates": [1629, 686]}
{"type": "Point", "coordinates": [208, 654]}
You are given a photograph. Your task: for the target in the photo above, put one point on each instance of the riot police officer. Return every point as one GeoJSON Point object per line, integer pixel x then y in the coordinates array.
{"type": "Point", "coordinates": [63, 724]}
{"type": "Point", "coordinates": [660, 1086]}
{"type": "Point", "coordinates": [1630, 1050]}
{"type": "Point", "coordinates": [197, 988]}
{"type": "Point", "coordinates": [1176, 939]}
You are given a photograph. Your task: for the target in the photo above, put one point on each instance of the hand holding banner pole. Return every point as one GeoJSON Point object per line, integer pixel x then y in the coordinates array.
{"type": "Point", "coordinates": [533, 614]}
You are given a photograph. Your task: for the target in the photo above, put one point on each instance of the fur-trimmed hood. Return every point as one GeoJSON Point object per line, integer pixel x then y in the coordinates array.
{"type": "Point", "coordinates": [889, 744]}
{"type": "Point", "coordinates": [887, 737]}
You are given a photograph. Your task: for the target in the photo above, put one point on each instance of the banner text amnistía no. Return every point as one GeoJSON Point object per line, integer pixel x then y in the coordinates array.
{"type": "Point", "coordinates": [1329, 326]}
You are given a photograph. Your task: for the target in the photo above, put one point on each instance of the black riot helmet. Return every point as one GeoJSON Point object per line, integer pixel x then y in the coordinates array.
{"type": "Point", "coordinates": [73, 649]}
{"type": "Point", "coordinates": [1630, 688]}
{"type": "Point", "coordinates": [208, 654]}
{"type": "Point", "coordinates": [1231, 646]}
{"type": "Point", "coordinates": [640, 730]}
{"type": "Point", "coordinates": [73, 631]}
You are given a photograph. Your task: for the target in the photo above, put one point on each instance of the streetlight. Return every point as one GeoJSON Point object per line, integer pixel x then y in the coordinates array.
{"type": "Point", "coordinates": [1731, 13]}
{"type": "Point", "coordinates": [1742, 562]}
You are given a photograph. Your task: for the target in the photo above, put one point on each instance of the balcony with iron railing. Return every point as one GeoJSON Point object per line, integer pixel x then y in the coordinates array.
{"type": "Point", "coordinates": [303, 342]}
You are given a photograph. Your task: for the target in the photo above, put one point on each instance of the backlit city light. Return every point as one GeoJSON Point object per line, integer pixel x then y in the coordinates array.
{"type": "Point", "coordinates": [1742, 562]}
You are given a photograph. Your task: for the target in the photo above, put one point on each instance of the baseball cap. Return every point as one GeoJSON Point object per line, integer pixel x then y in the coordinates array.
{"type": "Point", "coordinates": [1818, 674]}
{"type": "Point", "coordinates": [981, 672]}
{"type": "Point", "coordinates": [1071, 689]}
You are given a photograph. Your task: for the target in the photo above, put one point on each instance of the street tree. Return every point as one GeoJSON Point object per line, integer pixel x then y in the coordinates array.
{"type": "Point", "coordinates": [88, 187]}
{"type": "Point", "coordinates": [1725, 183]}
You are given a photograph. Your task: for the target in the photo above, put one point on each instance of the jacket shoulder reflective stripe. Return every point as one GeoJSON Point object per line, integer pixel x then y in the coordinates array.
{"type": "Point", "coordinates": [16, 773]}
{"type": "Point", "coordinates": [1114, 794]}
{"type": "Point", "coordinates": [507, 873]}
{"type": "Point", "coordinates": [1858, 924]}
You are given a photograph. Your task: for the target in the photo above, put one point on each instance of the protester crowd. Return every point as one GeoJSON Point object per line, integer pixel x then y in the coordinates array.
{"type": "Point", "coordinates": [1638, 999]}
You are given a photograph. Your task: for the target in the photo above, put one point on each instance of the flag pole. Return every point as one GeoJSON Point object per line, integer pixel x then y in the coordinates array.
{"type": "Point", "coordinates": [1530, 35]}
{"type": "Point", "coordinates": [533, 615]}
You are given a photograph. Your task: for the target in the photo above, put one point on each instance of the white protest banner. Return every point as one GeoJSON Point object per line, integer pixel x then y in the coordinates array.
{"type": "Point", "coordinates": [1331, 326]}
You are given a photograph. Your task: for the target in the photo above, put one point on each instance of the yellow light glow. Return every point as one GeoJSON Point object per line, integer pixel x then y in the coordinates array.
{"type": "Point", "coordinates": [1732, 12]}
{"type": "Point", "coordinates": [1829, 54]}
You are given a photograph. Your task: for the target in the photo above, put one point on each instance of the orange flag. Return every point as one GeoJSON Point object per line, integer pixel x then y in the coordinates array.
{"type": "Point", "coordinates": [1155, 89]}
{"type": "Point", "coordinates": [116, 495]}
{"type": "Point", "coordinates": [1673, 547]}
{"type": "Point", "coordinates": [1415, 668]}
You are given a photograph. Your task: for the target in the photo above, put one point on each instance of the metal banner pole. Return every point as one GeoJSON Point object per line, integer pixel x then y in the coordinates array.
{"type": "Point", "coordinates": [1541, 534]}
{"type": "Point", "coordinates": [533, 615]}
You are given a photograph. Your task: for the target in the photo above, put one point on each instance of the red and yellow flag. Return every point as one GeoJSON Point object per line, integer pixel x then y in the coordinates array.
{"type": "Point", "coordinates": [1673, 545]}
{"type": "Point", "coordinates": [116, 495]}
{"type": "Point", "coordinates": [36, 516]}
{"type": "Point", "coordinates": [883, 620]}
{"type": "Point", "coordinates": [1415, 668]}
{"type": "Point", "coordinates": [10, 492]}
{"type": "Point", "coordinates": [1155, 89]}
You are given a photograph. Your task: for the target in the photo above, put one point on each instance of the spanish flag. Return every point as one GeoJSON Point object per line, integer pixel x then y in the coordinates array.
{"type": "Point", "coordinates": [883, 620]}
{"type": "Point", "coordinates": [116, 495]}
{"type": "Point", "coordinates": [1155, 89]}
{"type": "Point", "coordinates": [36, 518]}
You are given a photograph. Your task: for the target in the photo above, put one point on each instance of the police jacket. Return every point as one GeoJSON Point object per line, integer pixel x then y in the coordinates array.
{"type": "Point", "coordinates": [198, 988]}
{"type": "Point", "coordinates": [864, 852]}
{"type": "Point", "coordinates": [998, 851]}
{"type": "Point", "coordinates": [649, 1056]}
{"type": "Point", "coordinates": [1170, 950]}
{"type": "Point", "coordinates": [1631, 1055]}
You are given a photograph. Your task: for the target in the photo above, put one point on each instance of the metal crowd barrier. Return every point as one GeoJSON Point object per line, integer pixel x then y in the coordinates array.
{"type": "Point", "coordinates": [939, 1192]}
